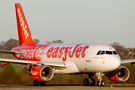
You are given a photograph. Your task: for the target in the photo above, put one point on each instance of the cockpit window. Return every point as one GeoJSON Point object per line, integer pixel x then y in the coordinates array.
{"type": "Point", "coordinates": [98, 52]}
{"type": "Point", "coordinates": [109, 52]}
{"type": "Point", "coordinates": [114, 52]}
{"type": "Point", "coordinates": [103, 52]}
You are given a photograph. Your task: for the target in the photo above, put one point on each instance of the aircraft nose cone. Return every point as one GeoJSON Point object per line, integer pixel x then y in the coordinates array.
{"type": "Point", "coordinates": [115, 63]}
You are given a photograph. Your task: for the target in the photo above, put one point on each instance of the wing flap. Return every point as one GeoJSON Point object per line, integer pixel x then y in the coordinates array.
{"type": "Point", "coordinates": [27, 62]}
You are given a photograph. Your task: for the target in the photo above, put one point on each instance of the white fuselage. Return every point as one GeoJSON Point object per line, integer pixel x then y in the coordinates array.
{"type": "Point", "coordinates": [82, 58]}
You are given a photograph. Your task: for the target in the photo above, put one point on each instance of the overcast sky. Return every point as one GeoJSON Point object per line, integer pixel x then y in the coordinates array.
{"type": "Point", "coordinates": [77, 21]}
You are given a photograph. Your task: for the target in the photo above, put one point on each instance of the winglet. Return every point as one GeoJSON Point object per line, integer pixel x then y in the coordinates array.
{"type": "Point", "coordinates": [25, 38]}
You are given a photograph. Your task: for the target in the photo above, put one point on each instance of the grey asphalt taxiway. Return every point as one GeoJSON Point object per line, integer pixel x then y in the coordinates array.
{"type": "Point", "coordinates": [38, 87]}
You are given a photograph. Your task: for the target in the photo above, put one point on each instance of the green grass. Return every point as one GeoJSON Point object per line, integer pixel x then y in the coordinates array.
{"type": "Point", "coordinates": [7, 56]}
{"type": "Point", "coordinates": [10, 56]}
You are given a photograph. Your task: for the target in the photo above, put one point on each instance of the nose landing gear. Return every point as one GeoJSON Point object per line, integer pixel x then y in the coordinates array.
{"type": "Point", "coordinates": [100, 82]}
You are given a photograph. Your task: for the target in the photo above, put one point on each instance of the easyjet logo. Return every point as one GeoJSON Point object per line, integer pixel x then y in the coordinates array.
{"type": "Point", "coordinates": [23, 25]}
{"type": "Point", "coordinates": [64, 52]}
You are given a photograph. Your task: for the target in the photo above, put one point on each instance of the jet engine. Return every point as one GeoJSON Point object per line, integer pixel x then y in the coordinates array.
{"type": "Point", "coordinates": [120, 75]}
{"type": "Point", "coordinates": [42, 73]}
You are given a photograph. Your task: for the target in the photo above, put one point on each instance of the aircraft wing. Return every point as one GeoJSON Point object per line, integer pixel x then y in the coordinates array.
{"type": "Point", "coordinates": [38, 63]}
{"type": "Point", "coordinates": [132, 61]}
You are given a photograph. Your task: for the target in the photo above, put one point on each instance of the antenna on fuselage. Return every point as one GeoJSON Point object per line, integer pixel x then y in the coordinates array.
{"type": "Point", "coordinates": [99, 41]}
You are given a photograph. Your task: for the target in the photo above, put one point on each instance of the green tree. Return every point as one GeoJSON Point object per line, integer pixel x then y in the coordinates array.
{"type": "Point", "coordinates": [119, 48]}
{"type": "Point", "coordinates": [11, 43]}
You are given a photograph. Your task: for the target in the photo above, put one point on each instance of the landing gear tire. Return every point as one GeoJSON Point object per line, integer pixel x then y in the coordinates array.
{"type": "Point", "coordinates": [86, 82]}
{"type": "Point", "coordinates": [92, 82]}
{"type": "Point", "coordinates": [100, 83]}
{"type": "Point", "coordinates": [42, 83]}
{"type": "Point", "coordinates": [36, 83]}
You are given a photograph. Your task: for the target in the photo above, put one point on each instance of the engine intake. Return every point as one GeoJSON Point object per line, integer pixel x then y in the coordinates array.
{"type": "Point", "coordinates": [42, 73]}
{"type": "Point", "coordinates": [122, 74]}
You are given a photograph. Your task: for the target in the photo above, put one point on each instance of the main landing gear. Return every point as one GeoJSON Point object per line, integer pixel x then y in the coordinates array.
{"type": "Point", "coordinates": [91, 81]}
{"type": "Point", "coordinates": [36, 83]}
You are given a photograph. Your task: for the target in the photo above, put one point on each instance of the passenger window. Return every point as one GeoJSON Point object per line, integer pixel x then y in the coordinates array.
{"type": "Point", "coordinates": [103, 52]}
{"type": "Point", "coordinates": [114, 52]}
{"type": "Point", "coordinates": [98, 53]}
{"type": "Point", "coordinates": [109, 52]}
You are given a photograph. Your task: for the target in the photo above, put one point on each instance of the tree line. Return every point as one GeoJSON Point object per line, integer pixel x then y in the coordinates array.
{"type": "Point", "coordinates": [11, 43]}
{"type": "Point", "coordinates": [125, 53]}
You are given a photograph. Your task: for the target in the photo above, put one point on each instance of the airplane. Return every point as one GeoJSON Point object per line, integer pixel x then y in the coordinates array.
{"type": "Point", "coordinates": [46, 60]}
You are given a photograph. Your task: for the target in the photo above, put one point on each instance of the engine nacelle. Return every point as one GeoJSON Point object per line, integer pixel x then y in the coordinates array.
{"type": "Point", "coordinates": [122, 74]}
{"type": "Point", "coordinates": [42, 73]}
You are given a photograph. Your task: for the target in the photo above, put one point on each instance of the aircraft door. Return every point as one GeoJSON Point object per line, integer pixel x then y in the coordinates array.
{"type": "Point", "coordinates": [88, 59]}
{"type": "Point", "coordinates": [88, 54]}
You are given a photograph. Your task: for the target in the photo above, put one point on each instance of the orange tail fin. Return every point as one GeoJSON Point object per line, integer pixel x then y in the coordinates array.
{"type": "Point", "coordinates": [24, 35]}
